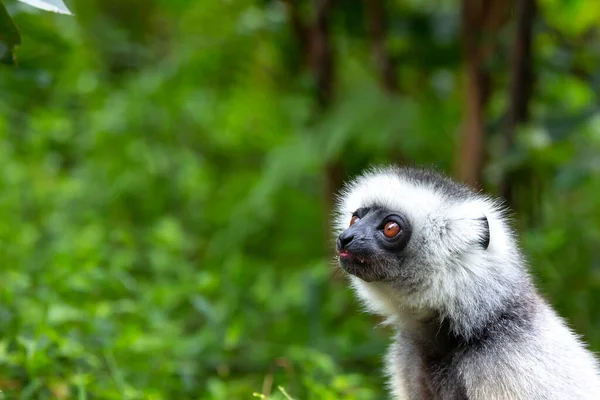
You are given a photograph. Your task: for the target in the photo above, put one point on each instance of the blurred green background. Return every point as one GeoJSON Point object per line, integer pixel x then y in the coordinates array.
{"type": "Point", "coordinates": [167, 170]}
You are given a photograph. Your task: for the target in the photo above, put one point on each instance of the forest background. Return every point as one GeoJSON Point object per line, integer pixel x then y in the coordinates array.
{"type": "Point", "coordinates": [168, 169]}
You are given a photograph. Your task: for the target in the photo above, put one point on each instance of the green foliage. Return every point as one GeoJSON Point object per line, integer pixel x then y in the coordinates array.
{"type": "Point", "coordinates": [9, 34]}
{"type": "Point", "coordinates": [163, 225]}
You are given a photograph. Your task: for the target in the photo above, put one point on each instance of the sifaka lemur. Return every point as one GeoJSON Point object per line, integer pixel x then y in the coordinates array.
{"type": "Point", "coordinates": [442, 264]}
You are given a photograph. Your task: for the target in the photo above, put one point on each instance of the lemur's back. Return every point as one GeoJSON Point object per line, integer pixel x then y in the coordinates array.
{"type": "Point", "coordinates": [548, 362]}
{"type": "Point", "coordinates": [543, 361]}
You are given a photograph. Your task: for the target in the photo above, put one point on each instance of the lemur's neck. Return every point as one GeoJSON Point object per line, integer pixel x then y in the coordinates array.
{"type": "Point", "coordinates": [437, 336]}
{"type": "Point", "coordinates": [477, 312]}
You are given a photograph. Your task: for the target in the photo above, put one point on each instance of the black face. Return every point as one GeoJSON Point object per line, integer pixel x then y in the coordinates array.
{"type": "Point", "coordinates": [371, 248]}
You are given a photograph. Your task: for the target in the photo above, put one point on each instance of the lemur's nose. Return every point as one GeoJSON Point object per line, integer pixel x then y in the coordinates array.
{"type": "Point", "coordinates": [344, 240]}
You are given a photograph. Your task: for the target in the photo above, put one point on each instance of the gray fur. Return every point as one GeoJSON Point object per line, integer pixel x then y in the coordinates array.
{"type": "Point", "coordinates": [470, 323]}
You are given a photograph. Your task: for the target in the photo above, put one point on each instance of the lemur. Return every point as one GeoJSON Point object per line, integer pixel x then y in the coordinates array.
{"type": "Point", "coordinates": [441, 262]}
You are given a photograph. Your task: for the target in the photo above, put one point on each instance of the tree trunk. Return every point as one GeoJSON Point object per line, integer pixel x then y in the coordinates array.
{"type": "Point", "coordinates": [376, 28]}
{"type": "Point", "coordinates": [323, 71]}
{"type": "Point", "coordinates": [521, 87]}
{"type": "Point", "coordinates": [481, 21]}
{"type": "Point", "coordinates": [299, 30]}
{"type": "Point", "coordinates": [315, 40]}
{"type": "Point", "coordinates": [321, 52]}
{"type": "Point", "coordinates": [472, 140]}
{"type": "Point", "coordinates": [375, 20]}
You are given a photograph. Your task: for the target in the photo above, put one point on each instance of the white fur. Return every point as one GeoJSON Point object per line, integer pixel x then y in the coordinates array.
{"type": "Point", "coordinates": [467, 284]}
{"type": "Point", "coordinates": [432, 211]}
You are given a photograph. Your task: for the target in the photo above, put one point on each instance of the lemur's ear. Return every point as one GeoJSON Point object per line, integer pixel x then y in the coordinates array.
{"type": "Point", "coordinates": [485, 237]}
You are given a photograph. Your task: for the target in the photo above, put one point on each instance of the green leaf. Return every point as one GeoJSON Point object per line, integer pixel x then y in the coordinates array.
{"type": "Point", "coordinates": [56, 6]}
{"type": "Point", "coordinates": [9, 37]}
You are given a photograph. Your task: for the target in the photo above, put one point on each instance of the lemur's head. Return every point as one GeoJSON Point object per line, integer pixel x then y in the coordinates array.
{"type": "Point", "coordinates": [423, 233]}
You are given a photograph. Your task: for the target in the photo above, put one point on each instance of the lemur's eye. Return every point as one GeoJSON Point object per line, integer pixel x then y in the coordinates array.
{"type": "Point", "coordinates": [354, 219]}
{"type": "Point", "coordinates": [391, 229]}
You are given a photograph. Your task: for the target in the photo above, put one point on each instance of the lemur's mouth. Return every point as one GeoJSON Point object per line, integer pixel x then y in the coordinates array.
{"type": "Point", "coordinates": [346, 256]}
{"type": "Point", "coordinates": [359, 265]}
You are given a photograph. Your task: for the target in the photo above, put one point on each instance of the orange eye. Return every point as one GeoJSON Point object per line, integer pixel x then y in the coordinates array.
{"type": "Point", "coordinates": [354, 219]}
{"type": "Point", "coordinates": [391, 229]}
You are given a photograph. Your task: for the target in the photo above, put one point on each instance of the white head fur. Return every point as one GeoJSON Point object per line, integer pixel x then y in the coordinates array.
{"type": "Point", "coordinates": [456, 277]}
